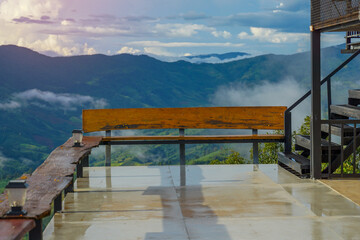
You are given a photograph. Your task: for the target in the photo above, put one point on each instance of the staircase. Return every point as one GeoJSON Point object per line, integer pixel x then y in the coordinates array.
{"type": "Point", "coordinates": [352, 42]}
{"type": "Point", "coordinates": [348, 139]}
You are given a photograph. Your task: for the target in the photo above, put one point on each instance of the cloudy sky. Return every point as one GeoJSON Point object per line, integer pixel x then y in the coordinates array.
{"type": "Point", "coordinates": [170, 28]}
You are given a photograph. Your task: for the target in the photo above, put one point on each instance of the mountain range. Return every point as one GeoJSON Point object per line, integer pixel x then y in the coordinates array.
{"type": "Point", "coordinates": [41, 97]}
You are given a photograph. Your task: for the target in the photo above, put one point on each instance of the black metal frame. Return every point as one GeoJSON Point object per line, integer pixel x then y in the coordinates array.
{"type": "Point", "coordinates": [316, 104]}
{"type": "Point", "coordinates": [182, 144]}
{"type": "Point", "coordinates": [351, 148]}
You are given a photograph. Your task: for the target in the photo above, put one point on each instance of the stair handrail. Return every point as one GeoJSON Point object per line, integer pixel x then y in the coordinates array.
{"type": "Point", "coordinates": [327, 79]}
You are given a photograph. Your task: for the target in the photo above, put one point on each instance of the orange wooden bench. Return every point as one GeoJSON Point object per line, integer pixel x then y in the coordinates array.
{"type": "Point", "coordinates": [255, 118]}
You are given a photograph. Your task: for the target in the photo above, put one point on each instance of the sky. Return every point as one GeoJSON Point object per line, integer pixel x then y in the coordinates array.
{"type": "Point", "coordinates": [168, 28]}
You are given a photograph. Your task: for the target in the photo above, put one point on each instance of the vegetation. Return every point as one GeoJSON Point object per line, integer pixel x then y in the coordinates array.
{"type": "Point", "coordinates": [29, 133]}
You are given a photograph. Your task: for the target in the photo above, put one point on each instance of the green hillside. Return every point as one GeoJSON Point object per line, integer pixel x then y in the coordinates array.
{"type": "Point", "coordinates": [41, 97]}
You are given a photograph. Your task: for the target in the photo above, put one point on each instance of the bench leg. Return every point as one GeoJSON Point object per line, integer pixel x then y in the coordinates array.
{"type": "Point", "coordinates": [108, 152]}
{"type": "Point", "coordinates": [182, 165]}
{"type": "Point", "coordinates": [255, 149]}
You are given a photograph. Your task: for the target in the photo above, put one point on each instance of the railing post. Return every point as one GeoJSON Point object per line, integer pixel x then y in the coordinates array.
{"type": "Point", "coordinates": [288, 132]}
{"type": "Point", "coordinates": [315, 166]}
{"type": "Point", "coordinates": [79, 169]}
{"type": "Point", "coordinates": [182, 160]}
{"type": "Point", "coordinates": [255, 148]}
{"type": "Point", "coordinates": [85, 161]}
{"type": "Point", "coordinates": [58, 203]}
{"type": "Point", "coordinates": [329, 97]}
{"type": "Point", "coordinates": [36, 233]}
{"type": "Point", "coordinates": [108, 151]}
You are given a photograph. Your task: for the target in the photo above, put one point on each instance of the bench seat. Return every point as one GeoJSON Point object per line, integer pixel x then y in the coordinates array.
{"type": "Point", "coordinates": [278, 137]}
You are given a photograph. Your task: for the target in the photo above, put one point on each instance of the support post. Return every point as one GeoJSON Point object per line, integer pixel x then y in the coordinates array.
{"type": "Point", "coordinates": [108, 151]}
{"type": "Point", "coordinates": [329, 98]}
{"type": "Point", "coordinates": [288, 133]}
{"type": "Point", "coordinates": [36, 233]}
{"type": "Point", "coordinates": [70, 188]}
{"type": "Point", "coordinates": [58, 203]}
{"type": "Point", "coordinates": [79, 169]}
{"type": "Point", "coordinates": [255, 148]}
{"type": "Point", "coordinates": [182, 160]}
{"type": "Point", "coordinates": [315, 166]}
{"type": "Point", "coordinates": [85, 161]}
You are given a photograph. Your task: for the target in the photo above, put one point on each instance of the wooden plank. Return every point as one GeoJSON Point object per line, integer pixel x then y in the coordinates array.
{"type": "Point", "coordinates": [15, 229]}
{"type": "Point", "coordinates": [61, 162]}
{"type": "Point", "coordinates": [163, 118]}
{"type": "Point", "coordinates": [346, 110]}
{"type": "Point", "coordinates": [41, 192]}
{"type": "Point", "coordinates": [200, 137]}
{"type": "Point", "coordinates": [340, 24]}
{"type": "Point", "coordinates": [51, 178]}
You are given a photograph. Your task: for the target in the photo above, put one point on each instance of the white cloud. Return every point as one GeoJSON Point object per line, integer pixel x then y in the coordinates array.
{"type": "Point", "coordinates": [223, 34]}
{"type": "Point", "coordinates": [273, 35]}
{"type": "Point", "coordinates": [181, 30]}
{"type": "Point", "coordinates": [65, 101]}
{"type": "Point", "coordinates": [9, 105]}
{"type": "Point", "coordinates": [89, 50]}
{"type": "Point", "coordinates": [32, 35]}
{"type": "Point", "coordinates": [10, 9]}
{"type": "Point", "coordinates": [283, 93]}
{"type": "Point", "coordinates": [61, 45]}
{"type": "Point", "coordinates": [4, 159]}
{"type": "Point", "coordinates": [158, 51]}
{"type": "Point", "coordinates": [183, 44]}
{"type": "Point", "coordinates": [128, 50]}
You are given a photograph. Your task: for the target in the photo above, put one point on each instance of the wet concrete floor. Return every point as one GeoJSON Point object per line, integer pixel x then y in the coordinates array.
{"type": "Point", "coordinates": [219, 202]}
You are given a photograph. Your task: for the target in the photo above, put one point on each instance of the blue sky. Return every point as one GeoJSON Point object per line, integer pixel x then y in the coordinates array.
{"type": "Point", "coordinates": [170, 28]}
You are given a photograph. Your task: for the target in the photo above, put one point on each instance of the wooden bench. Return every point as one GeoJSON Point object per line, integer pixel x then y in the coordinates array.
{"type": "Point", "coordinates": [255, 118]}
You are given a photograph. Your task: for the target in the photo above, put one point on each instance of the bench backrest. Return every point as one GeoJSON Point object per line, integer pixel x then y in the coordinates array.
{"type": "Point", "coordinates": [269, 118]}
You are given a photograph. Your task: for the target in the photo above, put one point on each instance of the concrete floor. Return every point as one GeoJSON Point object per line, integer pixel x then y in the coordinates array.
{"type": "Point", "coordinates": [219, 202]}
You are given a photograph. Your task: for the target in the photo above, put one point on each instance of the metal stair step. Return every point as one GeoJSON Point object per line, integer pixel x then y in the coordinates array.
{"type": "Point", "coordinates": [354, 93]}
{"type": "Point", "coordinates": [346, 110]}
{"type": "Point", "coordinates": [295, 162]}
{"type": "Point", "coordinates": [336, 130]}
{"type": "Point", "coordinates": [305, 143]}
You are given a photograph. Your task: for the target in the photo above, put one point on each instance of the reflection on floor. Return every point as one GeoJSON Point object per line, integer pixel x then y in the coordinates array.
{"type": "Point", "coordinates": [219, 202]}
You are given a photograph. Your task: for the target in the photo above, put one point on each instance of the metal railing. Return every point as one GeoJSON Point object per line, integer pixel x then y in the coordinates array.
{"type": "Point", "coordinates": [327, 79]}
{"type": "Point", "coordinates": [349, 143]}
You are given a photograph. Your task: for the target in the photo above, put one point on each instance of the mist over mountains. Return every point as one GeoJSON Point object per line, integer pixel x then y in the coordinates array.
{"type": "Point", "coordinates": [41, 97]}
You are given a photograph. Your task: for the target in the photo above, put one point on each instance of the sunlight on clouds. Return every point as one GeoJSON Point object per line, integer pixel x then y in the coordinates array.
{"type": "Point", "coordinates": [183, 44]}
{"type": "Point", "coordinates": [158, 51]}
{"type": "Point", "coordinates": [224, 34]}
{"type": "Point", "coordinates": [128, 50]}
{"type": "Point", "coordinates": [273, 35]}
{"type": "Point", "coordinates": [10, 9]}
{"type": "Point", "coordinates": [181, 30]}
